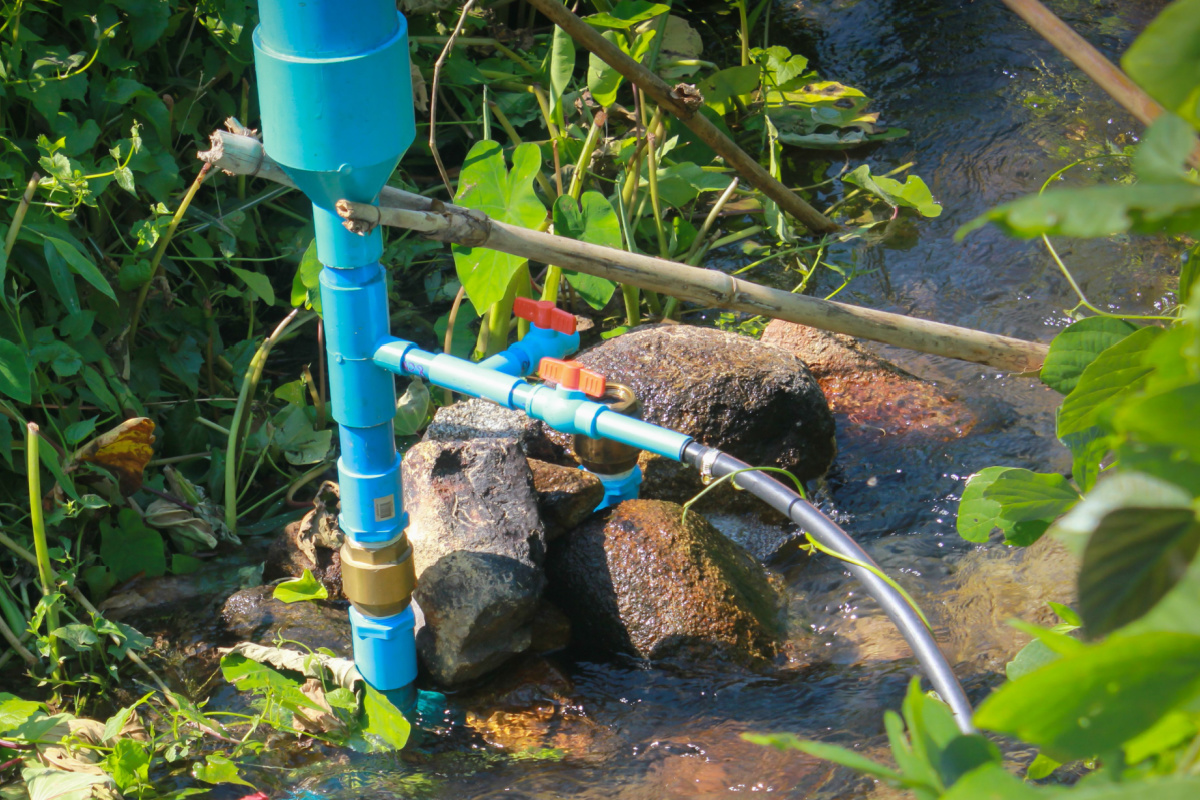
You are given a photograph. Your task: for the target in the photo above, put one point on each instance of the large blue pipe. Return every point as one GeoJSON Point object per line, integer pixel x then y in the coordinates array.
{"type": "Point", "coordinates": [337, 115]}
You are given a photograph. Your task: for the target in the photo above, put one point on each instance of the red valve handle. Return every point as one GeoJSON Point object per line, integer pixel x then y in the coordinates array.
{"type": "Point", "coordinates": [544, 314]}
{"type": "Point", "coordinates": [572, 375]}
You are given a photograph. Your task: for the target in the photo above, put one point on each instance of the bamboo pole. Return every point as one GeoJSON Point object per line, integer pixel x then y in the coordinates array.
{"type": "Point", "coordinates": [684, 106]}
{"type": "Point", "coordinates": [1107, 75]}
{"type": "Point", "coordinates": [705, 286]}
{"type": "Point", "coordinates": [244, 155]}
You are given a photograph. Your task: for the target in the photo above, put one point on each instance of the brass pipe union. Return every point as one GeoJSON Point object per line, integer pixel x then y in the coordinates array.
{"type": "Point", "coordinates": [605, 456]}
{"type": "Point", "coordinates": [379, 581]}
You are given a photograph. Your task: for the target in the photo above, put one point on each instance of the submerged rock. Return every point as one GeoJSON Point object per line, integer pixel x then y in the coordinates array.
{"type": "Point", "coordinates": [643, 581]}
{"type": "Point", "coordinates": [873, 392]}
{"type": "Point", "coordinates": [566, 496]}
{"type": "Point", "coordinates": [478, 607]}
{"type": "Point", "coordinates": [311, 543]}
{"type": "Point", "coordinates": [253, 615]}
{"type": "Point", "coordinates": [757, 403]}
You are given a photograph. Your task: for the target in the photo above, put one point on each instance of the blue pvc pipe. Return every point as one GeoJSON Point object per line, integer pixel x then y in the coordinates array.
{"type": "Point", "coordinates": [565, 410]}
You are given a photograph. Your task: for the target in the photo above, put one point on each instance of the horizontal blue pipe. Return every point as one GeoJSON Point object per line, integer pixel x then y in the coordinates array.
{"type": "Point", "coordinates": [564, 410]}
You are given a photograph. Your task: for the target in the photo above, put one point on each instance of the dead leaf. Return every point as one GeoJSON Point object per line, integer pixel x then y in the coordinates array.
{"type": "Point", "coordinates": [419, 92]}
{"type": "Point", "coordinates": [124, 450]}
{"type": "Point", "coordinates": [312, 720]}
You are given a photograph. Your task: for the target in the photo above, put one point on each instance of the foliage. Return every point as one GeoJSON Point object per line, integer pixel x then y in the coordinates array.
{"type": "Point", "coordinates": [1124, 700]}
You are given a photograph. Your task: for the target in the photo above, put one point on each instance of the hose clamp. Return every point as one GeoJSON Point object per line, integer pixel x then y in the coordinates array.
{"type": "Point", "coordinates": [706, 464]}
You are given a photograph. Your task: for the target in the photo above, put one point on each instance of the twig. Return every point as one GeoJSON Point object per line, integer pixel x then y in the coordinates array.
{"type": "Point", "coordinates": [156, 262]}
{"type": "Point", "coordinates": [448, 339]}
{"type": "Point", "coordinates": [15, 643]}
{"type": "Point", "coordinates": [433, 95]}
{"type": "Point", "coordinates": [19, 215]}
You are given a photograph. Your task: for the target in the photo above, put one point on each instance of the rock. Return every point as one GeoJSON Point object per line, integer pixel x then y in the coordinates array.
{"type": "Point", "coordinates": [311, 543]}
{"type": "Point", "coordinates": [728, 391]}
{"type": "Point", "coordinates": [551, 629]}
{"type": "Point", "coordinates": [566, 496]}
{"type": "Point", "coordinates": [474, 495]}
{"type": "Point", "coordinates": [253, 615]}
{"type": "Point", "coordinates": [642, 581]}
{"type": "Point", "coordinates": [478, 607]}
{"type": "Point", "coordinates": [483, 419]}
{"type": "Point", "coordinates": [872, 391]}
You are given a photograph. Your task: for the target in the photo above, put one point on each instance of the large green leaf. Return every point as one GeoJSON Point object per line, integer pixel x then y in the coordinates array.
{"type": "Point", "coordinates": [130, 548]}
{"type": "Point", "coordinates": [1025, 496]}
{"type": "Point", "coordinates": [1167, 418]}
{"type": "Point", "coordinates": [979, 515]}
{"type": "Point", "coordinates": [1170, 787]}
{"type": "Point", "coordinates": [594, 221]}
{"type": "Point", "coordinates": [1115, 372]}
{"type": "Point", "coordinates": [15, 373]}
{"type": "Point", "coordinates": [383, 725]}
{"type": "Point", "coordinates": [14, 711]}
{"type": "Point", "coordinates": [486, 185]}
{"type": "Point", "coordinates": [1165, 59]}
{"type": "Point", "coordinates": [1097, 211]}
{"type": "Point", "coordinates": [218, 769]}
{"type": "Point", "coordinates": [602, 80]}
{"type": "Point", "coordinates": [992, 782]}
{"type": "Point", "coordinates": [82, 266]}
{"type": "Point", "coordinates": [296, 590]}
{"type": "Point", "coordinates": [1092, 701]}
{"type": "Point", "coordinates": [259, 284]}
{"type": "Point", "coordinates": [1164, 150]}
{"type": "Point", "coordinates": [1134, 557]}
{"type": "Point", "coordinates": [626, 14]}
{"type": "Point", "coordinates": [1077, 346]}
{"type": "Point", "coordinates": [1116, 491]}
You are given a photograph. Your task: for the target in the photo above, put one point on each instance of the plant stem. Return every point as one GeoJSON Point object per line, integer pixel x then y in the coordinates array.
{"type": "Point", "coordinates": [433, 94]}
{"type": "Point", "coordinates": [41, 549]}
{"type": "Point", "coordinates": [242, 412]}
{"type": "Point", "coordinates": [713, 213]}
{"type": "Point", "coordinates": [554, 274]}
{"type": "Point", "coordinates": [156, 262]}
{"type": "Point", "coordinates": [498, 317]}
{"type": "Point", "coordinates": [744, 32]}
{"type": "Point", "coordinates": [15, 643]}
{"type": "Point", "coordinates": [515, 138]}
{"type": "Point", "coordinates": [633, 312]}
{"type": "Point", "coordinates": [19, 215]}
{"type": "Point", "coordinates": [652, 173]}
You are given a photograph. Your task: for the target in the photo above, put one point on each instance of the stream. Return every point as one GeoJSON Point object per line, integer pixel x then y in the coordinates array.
{"type": "Point", "coordinates": [992, 111]}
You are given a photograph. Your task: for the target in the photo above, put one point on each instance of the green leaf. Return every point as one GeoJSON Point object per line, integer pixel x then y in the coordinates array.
{"type": "Point", "coordinates": [1115, 492]}
{"type": "Point", "coordinates": [130, 548]}
{"type": "Point", "coordinates": [1026, 496]}
{"type": "Point", "coordinates": [596, 223]}
{"type": "Point", "coordinates": [412, 410]}
{"type": "Point", "coordinates": [1169, 732]}
{"type": "Point", "coordinates": [306, 587]}
{"type": "Point", "coordinates": [561, 67]}
{"type": "Point", "coordinates": [259, 284]}
{"type": "Point", "coordinates": [383, 725]}
{"type": "Point", "coordinates": [1030, 658]}
{"type": "Point", "coordinates": [1118, 371]}
{"type": "Point", "coordinates": [1165, 59]}
{"type": "Point", "coordinates": [306, 285]}
{"type": "Point", "coordinates": [992, 782]}
{"type": "Point", "coordinates": [1095, 700]}
{"type": "Point", "coordinates": [218, 769]}
{"type": "Point", "coordinates": [15, 372]}
{"type": "Point", "coordinates": [602, 80]}
{"type": "Point", "coordinates": [828, 752]}
{"type": "Point", "coordinates": [129, 764]}
{"type": "Point", "coordinates": [1172, 787]}
{"type": "Point", "coordinates": [913, 193]}
{"type": "Point", "coordinates": [484, 184]}
{"type": "Point", "coordinates": [1133, 558]}
{"type": "Point", "coordinates": [964, 754]}
{"type": "Point", "coordinates": [1167, 418]}
{"type": "Point", "coordinates": [60, 276]}
{"type": "Point", "coordinates": [1077, 346]}
{"type": "Point", "coordinates": [81, 637]}
{"type": "Point", "coordinates": [1097, 211]}
{"type": "Point", "coordinates": [720, 87]}
{"type": "Point", "coordinates": [463, 341]}
{"type": "Point", "coordinates": [1042, 766]}
{"type": "Point", "coordinates": [1164, 150]}
{"type": "Point", "coordinates": [14, 711]}
{"type": "Point", "coordinates": [82, 266]}
{"type": "Point", "coordinates": [55, 784]}
{"type": "Point", "coordinates": [626, 14]}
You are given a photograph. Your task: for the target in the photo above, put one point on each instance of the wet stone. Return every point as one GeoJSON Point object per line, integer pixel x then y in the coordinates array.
{"type": "Point", "coordinates": [641, 580]}
{"type": "Point", "coordinates": [483, 419]}
{"type": "Point", "coordinates": [566, 496]}
{"type": "Point", "coordinates": [253, 615]}
{"type": "Point", "coordinates": [478, 608]}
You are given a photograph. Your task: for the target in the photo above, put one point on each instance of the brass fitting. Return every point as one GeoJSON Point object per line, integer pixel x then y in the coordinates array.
{"type": "Point", "coordinates": [605, 456]}
{"type": "Point", "coordinates": [379, 581]}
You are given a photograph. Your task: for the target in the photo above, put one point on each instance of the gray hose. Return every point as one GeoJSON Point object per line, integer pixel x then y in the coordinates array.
{"type": "Point", "coordinates": [825, 531]}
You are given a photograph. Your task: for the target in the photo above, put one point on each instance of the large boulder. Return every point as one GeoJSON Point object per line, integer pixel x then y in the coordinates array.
{"type": "Point", "coordinates": [482, 419]}
{"type": "Point", "coordinates": [478, 608]}
{"type": "Point", "coordinates": [642, 580]}
{"type": "Point", "coordinates": [728, 391]}
{"type": "Point", "coordinates": [478, 548]}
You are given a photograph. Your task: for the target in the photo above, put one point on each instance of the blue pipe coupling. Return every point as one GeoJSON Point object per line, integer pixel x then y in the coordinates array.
{"type": "Point", "coordinates": [385, 648]}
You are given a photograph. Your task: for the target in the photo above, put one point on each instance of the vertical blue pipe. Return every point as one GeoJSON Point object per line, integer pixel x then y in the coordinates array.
{"type": "Point", "coordinates": [336, 99]}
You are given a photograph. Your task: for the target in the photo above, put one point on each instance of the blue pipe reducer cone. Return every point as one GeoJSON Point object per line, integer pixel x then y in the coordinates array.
{"type": "Point", "coordinates": [336, 101]}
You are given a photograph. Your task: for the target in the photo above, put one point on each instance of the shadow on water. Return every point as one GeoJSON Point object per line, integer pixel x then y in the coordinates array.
{"type": "Point", "coordinates": [992, 111]}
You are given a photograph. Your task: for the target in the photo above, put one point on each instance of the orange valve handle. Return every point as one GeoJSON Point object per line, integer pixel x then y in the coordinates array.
{"type": "Point", "coordinates": [544, 314]}
{"type": "Point", "coordinates": [572, 375]}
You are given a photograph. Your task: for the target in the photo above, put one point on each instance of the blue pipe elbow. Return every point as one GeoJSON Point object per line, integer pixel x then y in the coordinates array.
{"type": "Point", "coordinates": [524, 356]}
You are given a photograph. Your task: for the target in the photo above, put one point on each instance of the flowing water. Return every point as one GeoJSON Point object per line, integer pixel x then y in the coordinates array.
{"type": "Point", "coordinates": [992, 112]}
